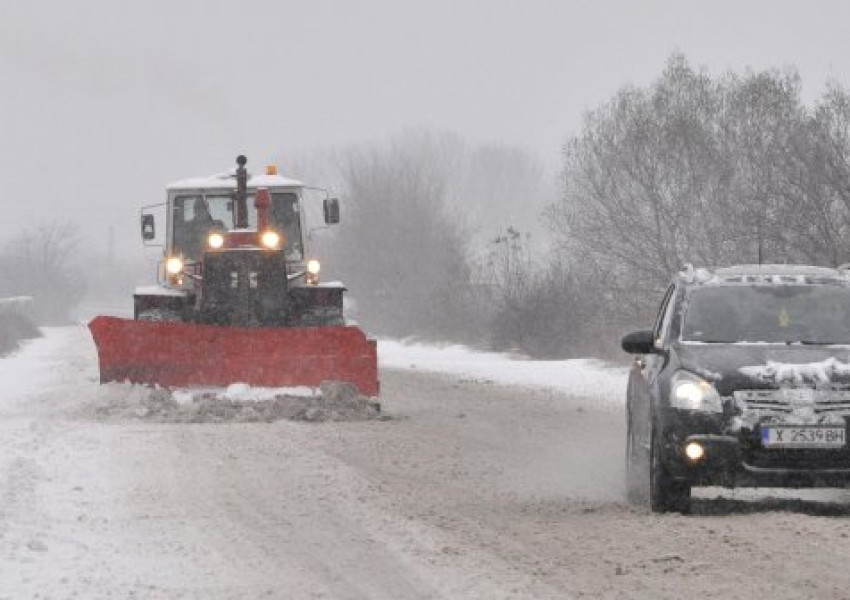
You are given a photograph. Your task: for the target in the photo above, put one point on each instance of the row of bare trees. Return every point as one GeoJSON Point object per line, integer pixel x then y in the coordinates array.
{"type": "Point", "coordinates": [693, 168]}
{"type": "Point", "coordinates": [400, 250]}
{"type": "Point", "coordinates": [60, 269]}
{"type": "Point", "coordinates": [441, 238]}
{"type": "Point", "coordinates": [705, 170]}
{"type": "Point", "coordinates": [44, 263]}
{"type": "Point", "coordinates": [419, 246]}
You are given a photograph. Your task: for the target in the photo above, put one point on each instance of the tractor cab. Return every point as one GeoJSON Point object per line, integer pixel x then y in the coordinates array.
{"type": "Point", "coordinates": [202, 216]}
{"type": "Point", "coordinates": [235, 254]}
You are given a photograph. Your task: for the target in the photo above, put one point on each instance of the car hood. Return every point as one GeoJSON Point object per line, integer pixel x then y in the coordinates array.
{"type": "Point", "coordinates": [767, 366]}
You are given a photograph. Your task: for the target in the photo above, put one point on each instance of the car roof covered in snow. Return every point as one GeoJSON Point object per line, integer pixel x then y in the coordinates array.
{"type": "Point", "coordinates": [228, 181]}
{"type": "Point", "coordinates": [766, 274]}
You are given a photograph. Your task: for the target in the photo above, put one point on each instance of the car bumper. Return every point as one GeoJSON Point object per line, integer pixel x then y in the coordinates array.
{"type": "Point", "coordinates": [740, 460]}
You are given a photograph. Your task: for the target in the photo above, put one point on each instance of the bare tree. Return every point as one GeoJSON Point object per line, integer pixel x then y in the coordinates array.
{"type": "Point", "coordinates": [402, 248]}
{"type": "Point", "coordinates": [703, 170]}
{"type": "Point", "coordinates": [815, 173]}
{"type": "Point", "coordinates": [42, 263]}
{"type": "Point", "coordinates": [500, 186]}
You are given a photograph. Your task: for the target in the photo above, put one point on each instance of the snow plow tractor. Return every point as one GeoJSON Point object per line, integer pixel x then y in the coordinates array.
{"type": "Point", "coordinates": [238, 298]}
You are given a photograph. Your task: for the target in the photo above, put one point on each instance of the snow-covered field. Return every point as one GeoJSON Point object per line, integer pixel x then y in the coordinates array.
{"type": "Point", "coordinates": [492, 477]}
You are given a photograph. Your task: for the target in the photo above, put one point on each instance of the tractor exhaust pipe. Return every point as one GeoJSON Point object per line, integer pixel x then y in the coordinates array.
{"type": "Point", "coordinates": [241, 193]}
{"type": "Point", "coordinates": [262, 202]}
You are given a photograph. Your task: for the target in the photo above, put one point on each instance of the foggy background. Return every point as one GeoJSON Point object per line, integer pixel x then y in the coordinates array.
{"type": "Point", "coordinates": [103, 103]}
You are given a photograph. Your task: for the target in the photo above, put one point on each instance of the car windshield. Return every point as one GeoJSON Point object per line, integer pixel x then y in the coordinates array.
{"type": "Point", "coordinates": [813, 314]}
{"type": "Point", "coordinates": [195, 216]}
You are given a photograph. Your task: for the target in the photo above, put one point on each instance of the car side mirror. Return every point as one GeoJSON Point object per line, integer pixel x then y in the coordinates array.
{"type": "Point", "coordinates": [331, 206]}
{"type": "Point", "coordinates": [639, 342]}
{"type": "Point", "coordinates": [148, 228]}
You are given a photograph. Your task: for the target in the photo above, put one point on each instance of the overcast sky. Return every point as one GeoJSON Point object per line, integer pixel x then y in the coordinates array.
{"type": "Point", "coordinates": [105, 101]}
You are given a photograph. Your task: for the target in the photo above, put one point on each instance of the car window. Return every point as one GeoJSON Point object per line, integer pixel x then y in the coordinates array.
{"type": "Point", "coordinates": [816, 314]}
{"type": "Point", "coordinates": [662, 320]}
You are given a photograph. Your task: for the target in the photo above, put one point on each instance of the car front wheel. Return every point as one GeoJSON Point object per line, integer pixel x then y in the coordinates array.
{"type": "Point", "coordinates": [635, 466]}
{"type": "Point", "coordinates": [665, 493]}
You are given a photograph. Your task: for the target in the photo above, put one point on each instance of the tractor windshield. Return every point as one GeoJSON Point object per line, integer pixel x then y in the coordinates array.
{"type": "Point", "coordinates": [195, 216]}
{"type": "Point", "coordinates": [285, 219]}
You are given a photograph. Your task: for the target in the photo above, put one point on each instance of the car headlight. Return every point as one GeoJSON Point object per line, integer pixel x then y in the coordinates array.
{"type": "Point", "coordinates": [174, 265]}
{"type": "Point", "coordinates": [215, 241]}
{"type": "Point", "coordinates": [690, 392]}
{"type": "Point", "coordinates": [270, 239]}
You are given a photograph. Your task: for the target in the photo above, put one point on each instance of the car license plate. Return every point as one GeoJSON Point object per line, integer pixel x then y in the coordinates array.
{"type": "Point", "coordinates": [803, 437]}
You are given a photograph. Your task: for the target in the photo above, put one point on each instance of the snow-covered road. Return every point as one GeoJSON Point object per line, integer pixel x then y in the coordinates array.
{"type": "Point", "coordinates": [479, 486]}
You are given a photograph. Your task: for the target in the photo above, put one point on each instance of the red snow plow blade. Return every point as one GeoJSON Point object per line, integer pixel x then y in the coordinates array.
{"type": "Point", "coordinates": [187, 354]}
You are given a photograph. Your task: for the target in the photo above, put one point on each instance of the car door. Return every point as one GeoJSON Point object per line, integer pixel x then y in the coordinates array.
{"type": "Point", "coordinates": [644, 372]}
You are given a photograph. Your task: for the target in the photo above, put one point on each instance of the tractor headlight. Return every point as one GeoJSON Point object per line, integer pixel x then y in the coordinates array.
{"type": "Point", "coordinates": [174, 265]}
{"type": "Point", "coordinates": [270, 239]}
{"type": "Point", "coordinates": [313, 268]}
{"type": "Point", "coordinates": [215, 241]}
{"type": "Point", "coordinates": [689, 392]}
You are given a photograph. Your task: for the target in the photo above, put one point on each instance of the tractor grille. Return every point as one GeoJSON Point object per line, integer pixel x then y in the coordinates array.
{"type": "Point", "coordinates": [244, 288]}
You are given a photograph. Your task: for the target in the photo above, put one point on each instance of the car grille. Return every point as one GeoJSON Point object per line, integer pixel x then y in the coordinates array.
{"type": "Point", "coordinates": [793, 405]}
{"type": "Point", "coordinates": [787, 401]}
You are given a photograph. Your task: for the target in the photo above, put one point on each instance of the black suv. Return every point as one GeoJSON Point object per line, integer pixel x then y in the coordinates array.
{"type": "Point", "coordinates": [744, 380]}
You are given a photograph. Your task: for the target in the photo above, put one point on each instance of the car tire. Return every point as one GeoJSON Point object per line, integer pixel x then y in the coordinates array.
{"type": "Point", "coordinates": [665, 493]}
{"type": "Point", "coordinates": [635, 475]}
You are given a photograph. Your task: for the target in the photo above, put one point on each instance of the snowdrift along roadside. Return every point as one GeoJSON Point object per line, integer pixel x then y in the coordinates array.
{"type": "Point", "coordinates": [589, 378]}
{"type": "Point", "coordinates": [27, 370]}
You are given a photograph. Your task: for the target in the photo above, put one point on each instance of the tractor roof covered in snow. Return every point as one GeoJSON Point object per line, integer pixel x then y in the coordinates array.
{"type": "Point", "coordinates": [228, 180]}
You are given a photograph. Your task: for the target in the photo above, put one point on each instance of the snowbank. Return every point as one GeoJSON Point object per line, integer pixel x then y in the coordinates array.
{"type": "Point", "coordinates": [35, 365]}
{"type": "Point", "coordinates": [580, 377]}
